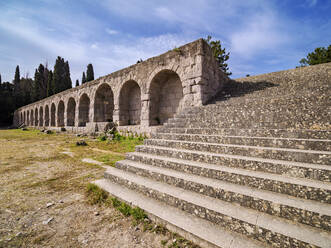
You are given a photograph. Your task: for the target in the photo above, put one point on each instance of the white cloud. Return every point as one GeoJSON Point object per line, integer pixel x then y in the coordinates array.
{"type": "Point", "coordinates": [111, 31]}
{"type": "Point", "coordinates": [260, 33]}
{"type": "Point", "coordinates": [311, 3]}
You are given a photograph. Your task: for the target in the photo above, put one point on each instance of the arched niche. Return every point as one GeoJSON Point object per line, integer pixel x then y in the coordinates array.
{"type": "Point", "coordinates": [71, 110]}
{"type": "Point", "coordinates": [53, 114]}
{"type": "Point", "coordinates": [41, 116]}
{"type": "Point", "coordinates": [130, 104]}
{"type": "Point", "coordinates": [166, 93]}
{"type": "Point", "coordinates": [28, 117]}
{"type": "Point", "coordinates": [47, 116]}
{"type": "Point", "coordinates": [31, 118]}
{"type": "Point", "coordinates": [60, 114]}
{"type": "Point", "coordinates": [36, 117]}
{"type": "Point", "coordinates": [83, 110]}
{"type": "Point", "coordinates": [103, 104]}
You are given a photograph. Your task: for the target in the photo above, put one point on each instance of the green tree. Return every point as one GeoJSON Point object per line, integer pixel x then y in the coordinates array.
{"type": "Point", "coordinates": [0, 79]}
{"type": "Point", "coordinates": [77, 83]}
{"type": "Point", "coordinates": [220, 54]}
{"type": "Point", "coordinates": [319, 56]}
{"type": "Point", "coordinates": [50, 88]}
{"type": "Point", "coordinates": [89, 73]}
{"type": "Point", "coordinates": [27, 89]}
{"type": "Point", "coordinates": [17, 90]}
{"type": "Point", "coordinates": [67, 78]}
{"type": "Point", "coordinates": [61, 76]}
{"type": "Point", "coordinates": [36, 86]}
{"type": "Point", "coordinates": [83, 78]}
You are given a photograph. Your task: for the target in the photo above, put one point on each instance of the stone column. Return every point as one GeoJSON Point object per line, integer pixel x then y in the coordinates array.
{"type": "Point", "coordinates": [144, 116]}
{"type": "Point", "coordinates": [116, 114]}
{"type": "Point", "coordinates": [77, 114]}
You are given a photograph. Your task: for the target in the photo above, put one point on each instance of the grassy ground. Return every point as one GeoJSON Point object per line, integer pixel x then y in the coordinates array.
{"type": "Point", "coordinates": [44, 201]}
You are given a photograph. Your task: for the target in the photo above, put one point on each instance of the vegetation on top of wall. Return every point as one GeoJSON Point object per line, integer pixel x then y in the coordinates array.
{"type": "Point", "coordinates": [220, 54]}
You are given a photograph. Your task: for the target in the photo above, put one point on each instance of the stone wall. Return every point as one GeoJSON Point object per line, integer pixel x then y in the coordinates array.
{"type": "Point", "coordinates": [145, 94]}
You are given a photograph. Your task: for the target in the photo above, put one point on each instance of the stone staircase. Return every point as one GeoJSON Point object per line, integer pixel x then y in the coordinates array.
{"type": "Point", "coordinates": [251, 169]}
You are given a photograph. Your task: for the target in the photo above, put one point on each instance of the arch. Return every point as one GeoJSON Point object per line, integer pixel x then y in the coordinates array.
{"type": "Point", "coordinates": [166, 92]}
{"type": "Point", "coordinates": [103, 104]}
{"type": "Point", "coordinates": [71, 109]}
{"type": "Point", "coordinates": [83, 110]}
{"type": "Point", "coordinates": [60, 114]}
{"type": "Point", "coordinates": [24, 117]}
{"type": "Point", "coordinates": [36, 117]}
{"type": "Point", "coordinates": [46, 116]}
{"type": "Point", "coordinates": [28, 117]}
{"type": "Point", "coordinates": [130, 103]}
{"type": "Point", "coordinates": [41, 116]}
{"type": "Point", "coordinates": [21, 118]}
{"type": "Point", "coordinates": [53, 110]}
{"type": "Point", "coordinates": [31, 117]}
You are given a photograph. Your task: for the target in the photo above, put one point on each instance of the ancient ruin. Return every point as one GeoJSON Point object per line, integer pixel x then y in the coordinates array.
{"type": "Point", "coordinates": [249, 169]}
{"type": "Point", "coordinates": [138, 97]}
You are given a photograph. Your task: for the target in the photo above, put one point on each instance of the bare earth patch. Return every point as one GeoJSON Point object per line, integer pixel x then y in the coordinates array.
{"type": "Point", "coordinates": [43, 200]}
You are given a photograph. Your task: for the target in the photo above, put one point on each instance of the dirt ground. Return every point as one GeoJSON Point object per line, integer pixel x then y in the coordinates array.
{"type": "Point", "coordinates": [43, 201]}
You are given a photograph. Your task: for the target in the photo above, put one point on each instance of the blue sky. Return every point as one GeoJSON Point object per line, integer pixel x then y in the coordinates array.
{"type": "Point", "coordinates": [261, 36]}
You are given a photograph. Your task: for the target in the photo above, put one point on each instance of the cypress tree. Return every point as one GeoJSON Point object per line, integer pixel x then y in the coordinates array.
{"type": "Point", "coordinates": [61, 76]}
{"type": "Point", "coordinates": [50, 89]}
{"type": "Point", "coordinates": [42, 84]}
{"type": "Point", "coordinates": [83, 78]}
{"type": "Point", "coordinates": [36, 86]}
{"type": "Point", "coordinates": [67, 79]}
{"type": "Point", "coordinates": [56, 83]}
{"type": "Point", "coordinates": [0, 79]}
{"type": "Point", "coordinates": [89, 73]}
{"type": "Point", "coordinates": [17, 75]}
{"type": "Point", "coordinates": [77, 83]}
{"type": "Point", "coordinates": [17, 90]}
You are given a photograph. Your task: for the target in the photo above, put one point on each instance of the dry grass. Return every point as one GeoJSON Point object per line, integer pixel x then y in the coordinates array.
{"type": "Point", "coordinates": [38, 183]}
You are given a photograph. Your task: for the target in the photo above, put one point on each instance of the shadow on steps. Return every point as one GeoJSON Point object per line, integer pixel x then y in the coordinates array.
{"type": "Point", "coordinates": [236, 89]}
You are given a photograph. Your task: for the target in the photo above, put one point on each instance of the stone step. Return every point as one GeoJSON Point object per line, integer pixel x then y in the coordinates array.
{"type": "Point", "coordinates": [254, 118]}
{"type": "Point", "coordinates": [248, 124]}
{"type": "Point", "coordinates": [201, 232]}
{"type": "Point", "coordinates": [280, 167]}
{"type": "Point", "coordinates": [251, 114]}
{"type": "Point", "coordinates": [289, 102]}
{"type": "Point", "coordinates": [304, 211]}
{"type": "Point", "coordinates": [271, 230]}
{"type": "Point", "coordinates": [303, 144]}
{"type": "Point", "coordinates": [297, 187]}
{"type": "Point", "coordinates": [309, 156]}
{"type": "Point", "coordinates": [278, 133]}
{"type": "Point", "coordinates": [236, 98]}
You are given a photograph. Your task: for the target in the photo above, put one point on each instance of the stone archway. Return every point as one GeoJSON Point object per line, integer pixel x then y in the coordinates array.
{"type": "Point", "coordinates": [36, 117]}
{"type": "Point", "coordinates": [71, 110]}
{"type": "Point", "coordinates": [130, 104]}
{"type": "Point", "coordinates": [166, 93]}
{"type": "Point", "coordinates": [24, 117]}
{"type": "Point", "coordinates": [46, 116]}
{"type": "Point", "coordinates": [41, 116]}
{"type": "Point", "coordinates": [60, 114]}
{"type": "Point", "coordinates": [103, 104]}
{"type": "Point", "coordinates": [28, 117]}
{"type": "Point", "coordinates": [53, 110]}
{"type": "Point", "coordinates": [31, 118]}
{"type": "Point", "coordinates": [83, 110]}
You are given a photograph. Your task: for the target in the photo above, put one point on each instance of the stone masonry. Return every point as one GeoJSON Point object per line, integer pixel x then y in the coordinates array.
{"type": "Point", "coordinates": [138, 97]}
{"type": "Point", "coordinates": [252, 168]}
